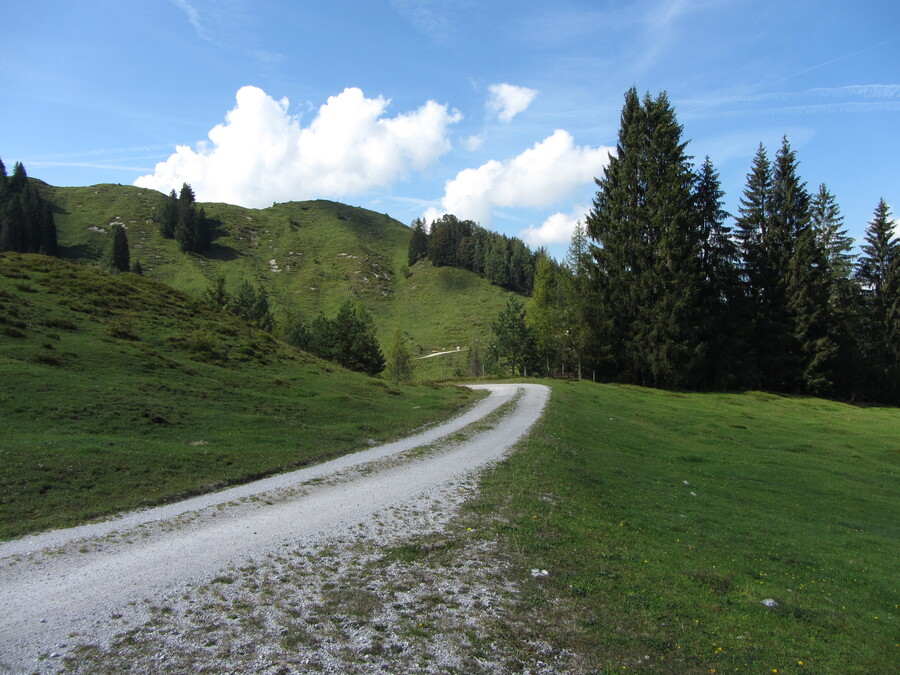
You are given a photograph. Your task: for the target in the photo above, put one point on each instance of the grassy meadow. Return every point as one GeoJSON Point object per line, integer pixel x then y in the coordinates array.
{"type": "Point", "coordinates": [665, 520]}
{"type": "Point", "coordinates": [118, 392]}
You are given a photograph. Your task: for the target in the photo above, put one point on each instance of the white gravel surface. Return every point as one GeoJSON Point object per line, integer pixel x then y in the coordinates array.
{"type": "Point", "coordinates": [63, 590]}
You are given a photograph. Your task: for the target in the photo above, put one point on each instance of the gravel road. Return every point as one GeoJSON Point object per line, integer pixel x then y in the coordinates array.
{"type": "Point", "coordinates": [59, 589]}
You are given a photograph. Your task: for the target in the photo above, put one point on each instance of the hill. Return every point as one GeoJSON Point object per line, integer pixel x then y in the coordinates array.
{"type": "Point", "coordinates": [310, 257]}
{"type": "Point", "coordinates": [118, 391]}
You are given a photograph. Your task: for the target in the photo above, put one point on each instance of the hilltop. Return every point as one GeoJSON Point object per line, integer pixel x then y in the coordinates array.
{"type": "Point", "coordinates": [309, 256]}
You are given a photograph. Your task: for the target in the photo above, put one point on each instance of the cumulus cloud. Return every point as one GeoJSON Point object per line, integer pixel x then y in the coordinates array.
{"type": "Point", "coordinates": [546, 173]}
{"type": "Point", "coordinates": [261, 153]}
{"type": "Point", "coordinates": [507, 100]}
{"type": "Point", "coordinates": [557, 229]}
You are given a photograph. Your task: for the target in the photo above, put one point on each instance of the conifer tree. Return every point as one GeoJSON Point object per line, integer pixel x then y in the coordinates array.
{"type": "Point", "coordinates": [118, 256]}
{"type": "Point", "coordinates": [168, 217]}
{"type": "Point", "coordinates": [879, 272]}
{"type": "Point", "coordinates": [545, 314]}
{"type": "Point", "coordinates": [844, 295]}
{"type": "Point", "coordinates": [513, 343]}
{"type": "Point", "coordinates": [720, 322]}
{"type": "Point", "coordinates": [19, 178]}
{"type": "Point", "coordinates": [399, 363]}
{"type": "Point", "coordinates": [648, 259]}
{"type": "Point", "coordinates": [418, 242]}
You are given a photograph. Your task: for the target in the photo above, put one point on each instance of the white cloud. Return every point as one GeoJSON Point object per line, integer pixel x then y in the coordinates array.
{"type": "Point", "coordinates": [557, 229]}
{"type": "Point", "coordinates": [541, 176]}
{"type": "Point", "coordinates": [473, 143]}
{"type": "Point", "coordinates": [261, 153]}
{"type": "Point", "coordinates": [507, 100]}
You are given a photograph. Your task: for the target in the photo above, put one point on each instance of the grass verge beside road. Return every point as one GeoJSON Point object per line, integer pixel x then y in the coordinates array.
{"type": "Point", "coordinates": [668, 522]}
{"type": "Point", "coordinates": [118, 392]}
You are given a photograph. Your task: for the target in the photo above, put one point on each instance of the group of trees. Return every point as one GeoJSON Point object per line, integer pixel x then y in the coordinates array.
{"type": "Point", "coordinates": [26, 219]}
{"type": "Point", "coordinates": [181, 220]}
{"type": "Point", "coordinates": [451, 242]}
{"type": "Point", "coordinates": [249, 304]}
{"type": "Point", "coordinates": [348, 339]}
{"type": "Point", "coordinates": [660, 290]}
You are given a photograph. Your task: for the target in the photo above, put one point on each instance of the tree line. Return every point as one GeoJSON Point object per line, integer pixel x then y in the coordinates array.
{"type": "Point", "coordinates": [26, 218]}
{"type": "Point", "coordinates": [661, 287]}
{"type": "Point", "coordinates": [504, 261]}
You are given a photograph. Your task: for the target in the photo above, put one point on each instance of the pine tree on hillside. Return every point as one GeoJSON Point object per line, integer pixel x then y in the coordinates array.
{"type": "Point", "coordinates": [620, 257]}
{"type": "Point", "coordinates": [546, 315]}
{"type": "Point", "coordinates": [648, 255]}
{"type": "Point", "coordinates": [755, 275]}
{"type": "Point", "coordinates": [418, 242]}
{"type": "Point", "coordinates": [722, 327]}
{"type": "Point", "coordinates": [399, 363]}
{"type": "Point", "coordinates": [844, 295]}
{"type": "Point", "coordinates": [19, 178]}
{"type": "Point", "coordinates": [513, 342]}
{"type": "Point", "coordinates": [814, 334]}
{"type": "Point", "coordinates": [118, 256]}
{"type": "Point", "coordinates": [4, 185]}
{"type": "Point", "coordinates": [879, 272]}
{"type": "Point", "coordinates": [789, 220]}
{"type": "Point", "coordinates": [168, 216]}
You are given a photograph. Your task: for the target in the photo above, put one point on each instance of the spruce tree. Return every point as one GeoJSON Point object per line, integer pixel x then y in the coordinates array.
{"type": "Point", "coordinates": [844, 293]}
{"type": "Point", "coordinates": [648, 258]}
{"type": "Point", "coordinates": [118, 256]}
{"type": "Point", "coordinates": [168, 216]}
{"type": "Point", "coordinates": [513, 342]}
{"type": "Point", "coordinates": [545, 314]}
{"type": "Point", "coordinates": [720, 321]}
{"type": "Point", "coordinates": [19, 178]}
{"type": "Point", "coordinates": [789, 220]}
{"type": "Point", "coordinates": [399, 363]}
{"type": "Point", "coordinates": [879, 272]}
{"type": "Point", "coordinates": [418, 242]}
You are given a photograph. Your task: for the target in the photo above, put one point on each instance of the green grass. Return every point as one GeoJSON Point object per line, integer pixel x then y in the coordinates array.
{"type": "Point", "coordinates": [666, 519]}
{"type": "Point", "coordinates": [324, 253]}
{"type": "Point", "coordinates": [118, 392]}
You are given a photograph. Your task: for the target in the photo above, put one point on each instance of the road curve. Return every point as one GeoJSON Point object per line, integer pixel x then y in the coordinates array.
{"type": "Point", "coordinates": [63, 583]}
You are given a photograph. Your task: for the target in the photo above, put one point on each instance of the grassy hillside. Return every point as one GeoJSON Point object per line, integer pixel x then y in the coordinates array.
{"type": "Point", "coordinates": [118, 392]}
{"type": "Point", "coordinates": [310, 256]}
{"type": "Point", "coordinates": [665, 521]}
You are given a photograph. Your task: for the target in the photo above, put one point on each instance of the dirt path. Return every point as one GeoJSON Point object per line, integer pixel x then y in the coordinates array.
{"type": "Point", "coordinates": [62, 587]}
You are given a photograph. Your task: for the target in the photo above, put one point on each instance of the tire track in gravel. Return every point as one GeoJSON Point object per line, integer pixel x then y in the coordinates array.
{"type": "Point", "coordinates": [67, 582]}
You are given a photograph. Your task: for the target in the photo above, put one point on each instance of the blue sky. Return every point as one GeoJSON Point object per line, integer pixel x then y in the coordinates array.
{"type": "Point", "coordinates": [498, 111]}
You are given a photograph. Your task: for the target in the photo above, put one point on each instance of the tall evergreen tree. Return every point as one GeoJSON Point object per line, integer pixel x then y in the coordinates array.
{"type": "Point", "coordinates": [879, 272]}
{"type": "Point", "coordinates": [168, 216]}
{"type": "Point", "coordinates": [118, 256]}
{"type": "Point", "coordinates": [721, 322]}
{"type": "Point", "coordinates": [545, 315]}
{"type": "Point", "coordinates": [399, 364]}
{"type": "Point", "coordinates": [789, 220]}
{"type": "Point", "coordinates": [418, 242]}
{"type": "Point", "coordinates": [752, 227]}
{"type": "Point", "coordinates": [513, 342]}
{"type": "Point", "coordinates": [19, 178]}
{"type": "Point", "coordinates": [648, 258]}
{"type": "Point", "coordinates": [844, 295]}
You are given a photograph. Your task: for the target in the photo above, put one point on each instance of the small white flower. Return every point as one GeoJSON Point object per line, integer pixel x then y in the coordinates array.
{"type": "Point", "coordinates": [769, 602]}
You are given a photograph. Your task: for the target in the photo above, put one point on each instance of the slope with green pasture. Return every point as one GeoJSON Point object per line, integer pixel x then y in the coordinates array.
{"type": "Point", "coordinates": [309, 256]}
{"type": "Point", "coordinates": [703, 533]}
{"type": "Point", "coordinates": [117, 391]}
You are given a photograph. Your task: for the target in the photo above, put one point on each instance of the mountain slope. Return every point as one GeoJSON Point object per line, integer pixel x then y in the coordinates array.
{"type": "Point", "coordinates": [117, 391]}
{"type": "Point", "coordinates": [310, 257]}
